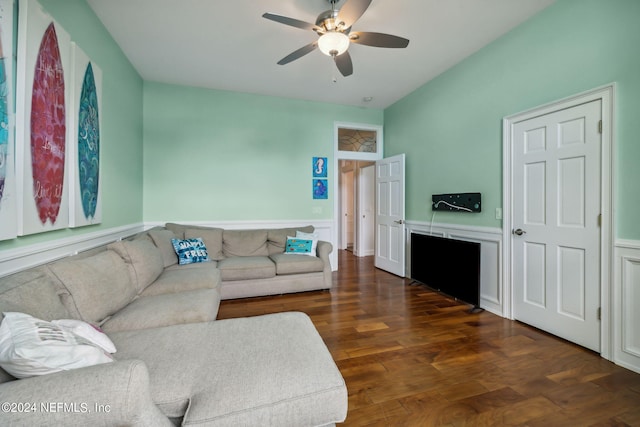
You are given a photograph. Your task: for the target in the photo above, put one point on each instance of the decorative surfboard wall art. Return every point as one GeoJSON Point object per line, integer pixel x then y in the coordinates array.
{"type": "Point", "coordinates": [85, 202]}
{"type": "Point", "coordinates": [8, 209]}
{"type": "Point", "coordinates": [41, 121]}
{"type": "Point", "coordinates": [48, 128]}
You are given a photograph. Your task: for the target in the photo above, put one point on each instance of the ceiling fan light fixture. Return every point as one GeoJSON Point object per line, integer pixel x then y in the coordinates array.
{"type": "Point", "coordinates": [333, 43]}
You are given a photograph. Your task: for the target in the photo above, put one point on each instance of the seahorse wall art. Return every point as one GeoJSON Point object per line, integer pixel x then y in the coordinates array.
{"type": "Point", "coordinates": [48, 128]}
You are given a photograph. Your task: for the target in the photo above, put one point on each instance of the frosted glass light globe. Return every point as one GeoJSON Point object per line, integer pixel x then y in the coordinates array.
{"type": "Point", "coordinates": [333, 43]}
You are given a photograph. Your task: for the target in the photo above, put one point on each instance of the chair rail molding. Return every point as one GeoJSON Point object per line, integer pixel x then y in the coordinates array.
{"type": "Point", "coordinates": [22, 258]}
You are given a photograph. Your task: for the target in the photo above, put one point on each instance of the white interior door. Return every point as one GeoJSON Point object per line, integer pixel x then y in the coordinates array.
{"type": "Point", "coordinates": [366, 211]}
{"type": "Point", "coordinates": [390, 226]}
{"type": "Point", "coordinates": [556, 173]}
{"type": "Point", "coordinates": [346, 209]}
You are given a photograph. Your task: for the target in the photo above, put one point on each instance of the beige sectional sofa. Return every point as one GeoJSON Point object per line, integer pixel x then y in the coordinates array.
{"type": "Point", "coordinates": [253, 262]}
{"type": "Point", "coordinates": [175, 364]}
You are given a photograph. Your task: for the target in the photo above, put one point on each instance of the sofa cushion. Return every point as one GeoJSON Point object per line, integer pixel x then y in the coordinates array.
{"type": "Point", "coordinates": [200, 305]}
{"type": "Point", "coordinates": [33, 292]}
{"type": "Point", "coordinates": [162, 239]}
{"type": "Point", "coordinates": [31, 346]}
{"type": "Point", "coordinates": [296, 264]}
{"type": "Point", "coordinates": [245, 243]}
{"type": "Point", "coordinates": [202, 275]}
{"type": "Point", "coordinates": [277, 237]}
{"type": "Point", "coordinates": [242, 268]}
{"type": "Point", "coordinates": [144, 257]}
{"type": "Point", "coordinates": [287, 379]}
{"type": "Point", "coordinates": [99, 285]}
{"type": "Point", "coordinates": [212, 239]}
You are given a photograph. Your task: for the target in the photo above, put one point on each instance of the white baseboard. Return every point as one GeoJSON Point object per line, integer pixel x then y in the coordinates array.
{"type": "Point", "coordinates": [490, 239]}
{"type": "Point", "coordinates": [22, 258]}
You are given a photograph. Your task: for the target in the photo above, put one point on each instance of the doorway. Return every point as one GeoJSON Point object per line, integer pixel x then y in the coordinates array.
{"type": "Point", "coordinates": [357, 206]}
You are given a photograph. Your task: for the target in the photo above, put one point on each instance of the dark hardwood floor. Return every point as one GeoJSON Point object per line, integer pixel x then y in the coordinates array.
{"type": "Point", "coordinates": [412, 357]}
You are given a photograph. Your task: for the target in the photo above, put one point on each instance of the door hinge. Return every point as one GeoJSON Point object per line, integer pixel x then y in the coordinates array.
{"type": "Point", "coordinates": [599, 220]}
{"type": "Point", "coordinates": [599, 313]}
{"type": "Point", "coordinates": [600, 126]}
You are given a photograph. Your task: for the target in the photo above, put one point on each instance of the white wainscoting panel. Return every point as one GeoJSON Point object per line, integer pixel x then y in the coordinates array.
{"type": "Point", "coordinates": [626, 304]}
{"type": "Point", "coordinates": [14, 260]}
{"type": "Point", "coordinates": [490, 240]}
{"type": "Point", "coordinates": [323, 228]}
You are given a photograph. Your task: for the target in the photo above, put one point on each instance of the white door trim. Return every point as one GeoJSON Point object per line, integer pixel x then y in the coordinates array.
{"type": "Point", "coordinates": [607, 95]}
{"type": "Point", "coordinates": [348, 155]}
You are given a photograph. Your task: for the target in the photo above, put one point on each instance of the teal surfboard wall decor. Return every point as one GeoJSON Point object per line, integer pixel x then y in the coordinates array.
{"type": "Point", "coordinates": [89, 144]}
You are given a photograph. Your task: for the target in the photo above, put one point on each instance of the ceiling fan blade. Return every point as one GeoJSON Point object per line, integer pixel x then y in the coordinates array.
{"type": "Point", "coordinates": [352, 11]}
{"type": "Point", "coordinates": [298, 53]}
{"type": "Point", "coordinates": [344, 64]}
{"type": "Point", "coordinates": [291, 22]}
{"type": "Point", "coordinates": [378, 39]}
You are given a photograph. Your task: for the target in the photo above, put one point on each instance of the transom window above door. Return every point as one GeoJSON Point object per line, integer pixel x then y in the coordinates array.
{"type": "Point", "coordinates": [358, 141]}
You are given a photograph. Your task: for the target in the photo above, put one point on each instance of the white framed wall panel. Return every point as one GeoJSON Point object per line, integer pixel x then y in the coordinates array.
{"type": "Point", "coordinates": [8, 197]}
{"type": "Point", "coordinates": [83, 140]}
{"type": "Point", "coordinates": [490, 239]}
{"type": "Point", "coordinates": [43, 195]}
{"type": "Point", "coordinates": [626, 300]}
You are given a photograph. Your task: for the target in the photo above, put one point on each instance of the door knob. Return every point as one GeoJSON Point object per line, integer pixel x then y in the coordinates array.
{"type": "Point", "coordinates": [519, 232]}
{"type": "Point", "coordinates": [400, 221]}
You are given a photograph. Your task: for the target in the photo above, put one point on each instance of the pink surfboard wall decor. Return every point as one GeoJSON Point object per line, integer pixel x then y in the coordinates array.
{"type": "Point", "coordinates": [48, 128]}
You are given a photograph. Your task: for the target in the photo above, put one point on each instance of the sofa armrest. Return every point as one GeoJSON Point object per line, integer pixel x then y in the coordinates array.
{"type": "Point", "coordinates": [322, 251]}
{"type": "Point", "coordinates": [109, 394]}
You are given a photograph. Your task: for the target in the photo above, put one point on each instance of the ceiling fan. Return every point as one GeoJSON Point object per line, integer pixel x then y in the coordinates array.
{"type": "Point", "coordinates": [334, 30]}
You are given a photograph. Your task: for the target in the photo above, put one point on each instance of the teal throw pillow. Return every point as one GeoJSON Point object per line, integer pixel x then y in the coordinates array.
{"type": "Point", "coordinates": [190, 250]}
{"type": "Point", "coordinates": [298, 246]}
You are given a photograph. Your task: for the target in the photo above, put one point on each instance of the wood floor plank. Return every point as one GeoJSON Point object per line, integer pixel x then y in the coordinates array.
{"type": "Point", "coordinates": [413, 357]}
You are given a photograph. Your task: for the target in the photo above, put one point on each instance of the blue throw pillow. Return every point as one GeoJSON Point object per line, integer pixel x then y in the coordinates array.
{"type": "Point", "coordinates": [298, 246]}
{"type": "Point", "coordinates": [190, 250]}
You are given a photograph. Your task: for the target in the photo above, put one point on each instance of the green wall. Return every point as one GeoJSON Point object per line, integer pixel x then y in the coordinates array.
{"type": "Point", "coordinates": [213, 155]}
{"type": "Point", "coordinates": [451, 128]}
{"type": "Point", "coordinates": [121, 131]}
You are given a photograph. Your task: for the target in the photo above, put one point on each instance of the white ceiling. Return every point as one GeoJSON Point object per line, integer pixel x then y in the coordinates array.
{"type": "Point", "coordinates": [227, 45]}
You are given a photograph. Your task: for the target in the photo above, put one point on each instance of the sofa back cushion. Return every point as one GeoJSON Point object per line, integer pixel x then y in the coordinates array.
{"type": "Point", "coordinates": [144, 257]}
{"type": "Point", "coordinates": [99, 285]}
{"type": "Point", "coordinates": [277, 237]}
{"type": "Point", "coordinates": [245, 243]}
{"type": "Point", "coordinates": [33, 292]}
{"type": "Point", "coordinates": [162, 239]}
{"type": "Point", "coordinates": [212, 238]}
{"type": "Point", "coordinates": [177, 229]}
